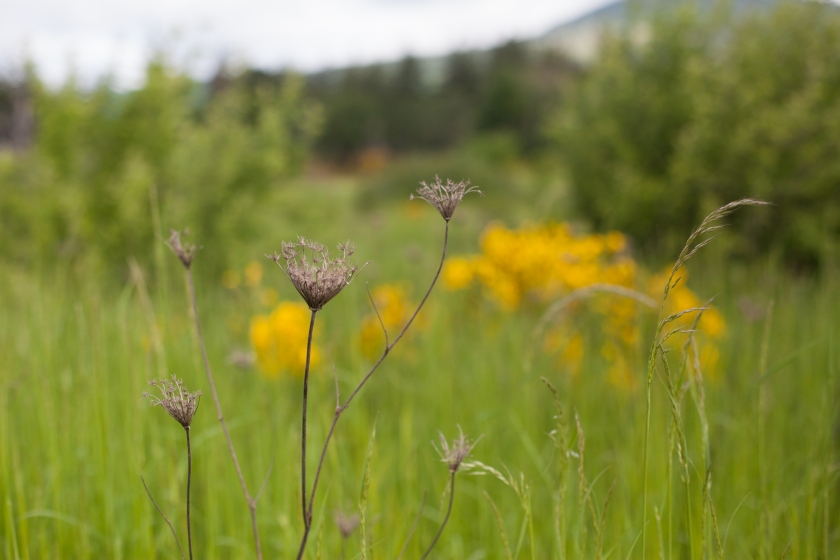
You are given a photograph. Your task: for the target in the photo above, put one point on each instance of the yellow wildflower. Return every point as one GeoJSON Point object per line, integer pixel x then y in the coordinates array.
{"type": "Point", "coordinates": [253, 273]}
{"type": "Point", "coordinates": [230, 279]}
{"type": "Point", "coordinates": [279, 340]}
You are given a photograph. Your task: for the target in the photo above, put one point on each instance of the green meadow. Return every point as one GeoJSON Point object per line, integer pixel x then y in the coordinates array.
{"type": "Point", "coordinates": [77, 436]}
{"type": "Point", "coordinates": [740, 459]}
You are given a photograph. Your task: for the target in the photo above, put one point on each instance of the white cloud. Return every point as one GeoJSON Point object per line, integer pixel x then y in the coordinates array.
{"type": "Point", "coordinates": [109, 37]}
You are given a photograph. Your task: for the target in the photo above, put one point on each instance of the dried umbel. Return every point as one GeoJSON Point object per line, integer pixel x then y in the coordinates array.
{"type": "Point", "coordinates": [346, 523]}
{"type": "Point", "coordinates": [454, 454]}
{"type": "Point", "coordinates": [185, 253]}
{"type": "Point", "coordinates": [444, 197]}
{"type": "Point", "coordinates": [176, 400]}
{"type": "Point", "coordinates": [317, 277]}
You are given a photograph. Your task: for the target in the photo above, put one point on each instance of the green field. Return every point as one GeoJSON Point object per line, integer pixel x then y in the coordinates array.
{"type": "Point", "coordinates": [75, 434]}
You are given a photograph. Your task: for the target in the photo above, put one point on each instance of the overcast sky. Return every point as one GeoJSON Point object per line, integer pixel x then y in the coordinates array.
{"type": "Point", "coordinates": [98, 37]}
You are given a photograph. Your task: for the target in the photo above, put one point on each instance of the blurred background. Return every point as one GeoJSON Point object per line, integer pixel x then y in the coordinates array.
{"type": "Point", "coordinates": [601, 134]}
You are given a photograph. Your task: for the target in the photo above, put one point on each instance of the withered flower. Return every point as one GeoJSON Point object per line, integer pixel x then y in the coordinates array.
{"type": "Point", "coordinates": [454, 454]}
{"type": "Point", "coordinates": [317, 277]}
{"type": "Point", "coordinates": [177, 401]}
{"type": "Point", "coordinates": [184, 252]}
{"type": "Point", "coordinates": [444, 197]}
{"type": "Point", "coordinates": [346, 523]}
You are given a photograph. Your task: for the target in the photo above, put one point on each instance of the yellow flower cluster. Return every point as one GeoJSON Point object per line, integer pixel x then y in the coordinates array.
{"type": "Point", "coordinates": [279, 339]}
{"type": "Point", "coordinates": [395, 309]}
{"type": "Point", "coordinates": [542, 263]}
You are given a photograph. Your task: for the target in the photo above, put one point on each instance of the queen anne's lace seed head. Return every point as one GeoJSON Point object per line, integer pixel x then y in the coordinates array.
{"type": "Point", "coordinates": [444, 197]}
{"type": "Point", "coordinates": [346, 523]}
{"type": "Point", "coordinates": [454, 454]}
{"type": "Point", "coordinates": [317, 277]}
{"type": "Point", "coordinates": [184, 252]}
{"type": "Point", "coordinates": [177, 401]}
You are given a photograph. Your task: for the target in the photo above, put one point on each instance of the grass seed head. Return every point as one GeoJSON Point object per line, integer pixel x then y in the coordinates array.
{"type": "Point", "coordinates": [454, 454]}
{"type": "Point", "coordinates": [444, 197]}
{"type": "Point", "coordinates": [176, 400]}
{"type": "Point", "coordinates": [316, 276]}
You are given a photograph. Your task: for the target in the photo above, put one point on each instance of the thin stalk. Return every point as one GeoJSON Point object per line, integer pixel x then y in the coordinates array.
{"type": "Point", "coordinates": [445, 519]}
{"type": "Point", "coordinates": [340, 408]}
{"type": "Point", "coordinates": [160, 511]}
{"type": "Point", "coordinates": [645, 462]}
{"type": "Point", "coordinates": [189, 483]}
{"type": "Point", "coordinates": [252, 502]}
{"type": "Point", "coordinates": [307, 513]}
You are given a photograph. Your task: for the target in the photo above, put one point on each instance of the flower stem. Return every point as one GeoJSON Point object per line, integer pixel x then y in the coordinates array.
{"type": "Point", "coordinates": [307, 515]}
{"type": "Point", "coordinates": [445, 519]}
{"type": "Point", "coordinates": [189, 483]}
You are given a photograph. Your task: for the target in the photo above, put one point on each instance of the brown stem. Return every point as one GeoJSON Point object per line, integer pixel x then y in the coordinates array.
{"type": "Point", "coordinates": [341, 408]}
{"type": "Point", "coordinates": [445, 519]}
{"type": "Point", "coordinates": [307, 517]}
{"type": "Point", "coordinates": [189, 483]}
{"type": "Point", "coordinates": [252, 503]}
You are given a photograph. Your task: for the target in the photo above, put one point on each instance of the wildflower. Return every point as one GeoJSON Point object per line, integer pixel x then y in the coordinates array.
{"type": "Point", "coordinates": [279, 339]}
{"type": "Point", "coordinates": [454, 454]}
{"type": "Point", "coordinates": [253, 273]}
{"type": "Point", "coordinates": [184, 252]}
{"type": "Point", "coordinates": [444, 197]}
{"type": "Point", "coordinates": [230, 279]}
{"type": "Point", "coordinates": [177, 401]}
{"type": "Point", "coordinates": [317, 277]}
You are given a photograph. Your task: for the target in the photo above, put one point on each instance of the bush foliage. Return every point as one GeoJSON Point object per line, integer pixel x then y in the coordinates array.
{"type": "Point", "coordinates": [705, 111]}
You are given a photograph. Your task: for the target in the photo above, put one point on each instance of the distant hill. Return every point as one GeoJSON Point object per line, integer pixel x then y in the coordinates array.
{"type": "Point", "coordinates": [579, 39]}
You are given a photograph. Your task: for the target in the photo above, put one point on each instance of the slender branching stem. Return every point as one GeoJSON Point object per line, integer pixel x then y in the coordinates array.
{"type": "Point", "coordinates": [189, 483]}
{"type": "Point", "coordinates": [160, 511]}
{"type": "Point", "coordinates": [445, 519]}
{"type": "Point", "coordinates": [252, 502]}
{"type": "Point", "coordinates": [342, 407]}
{"type": "Point", "coordinates": [307, 519]}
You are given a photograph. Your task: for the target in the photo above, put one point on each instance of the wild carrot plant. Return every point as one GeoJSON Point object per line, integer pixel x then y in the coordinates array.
{"type": "Point", "coordinates": [318, 277]}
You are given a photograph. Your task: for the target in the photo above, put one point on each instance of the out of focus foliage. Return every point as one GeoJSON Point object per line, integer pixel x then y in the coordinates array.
{"type": "Point", "coordinates": [705, 111]}
{"type": "Point", "coordinates": [108, 172]}
{"type": "Point", "coordinates": [503, 93]}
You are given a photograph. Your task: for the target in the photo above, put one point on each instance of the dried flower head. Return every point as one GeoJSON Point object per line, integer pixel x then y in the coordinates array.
{"type": "Point", "coordinates": [317, 277]}
{"type": "Point", "coordinates": [184, 252]}
{"type": "Point", "coordinates": [454, 454]}
{"type": "Point", "coordinates": [444, 197]}
{"type": "Point", "coordinates": [177, 401]}
{"type": "Point", "coordinates": [346, 523]}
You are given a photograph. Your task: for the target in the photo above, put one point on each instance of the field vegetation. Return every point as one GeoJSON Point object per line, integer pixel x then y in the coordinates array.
{"type": "Point", "coordinates": [608, 423]}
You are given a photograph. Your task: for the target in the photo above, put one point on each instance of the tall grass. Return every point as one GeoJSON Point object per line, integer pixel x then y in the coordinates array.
{"type": "Point", "coordinates": [75, 436]}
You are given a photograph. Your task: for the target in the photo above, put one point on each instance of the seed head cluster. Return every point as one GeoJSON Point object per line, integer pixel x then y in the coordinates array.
{"type": "Point", "coordinates": [185, 253]}
{"type": "Point", "coordinates": [454, 454]}
{"type": "Point", "coordinates": [176, 400]}
{"type": "Point", "coordinates": [444, 197]}
{"type": "Point", "coordinates": [316, 276]}
{"type": "Point", "coordinates": [346, 523]}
